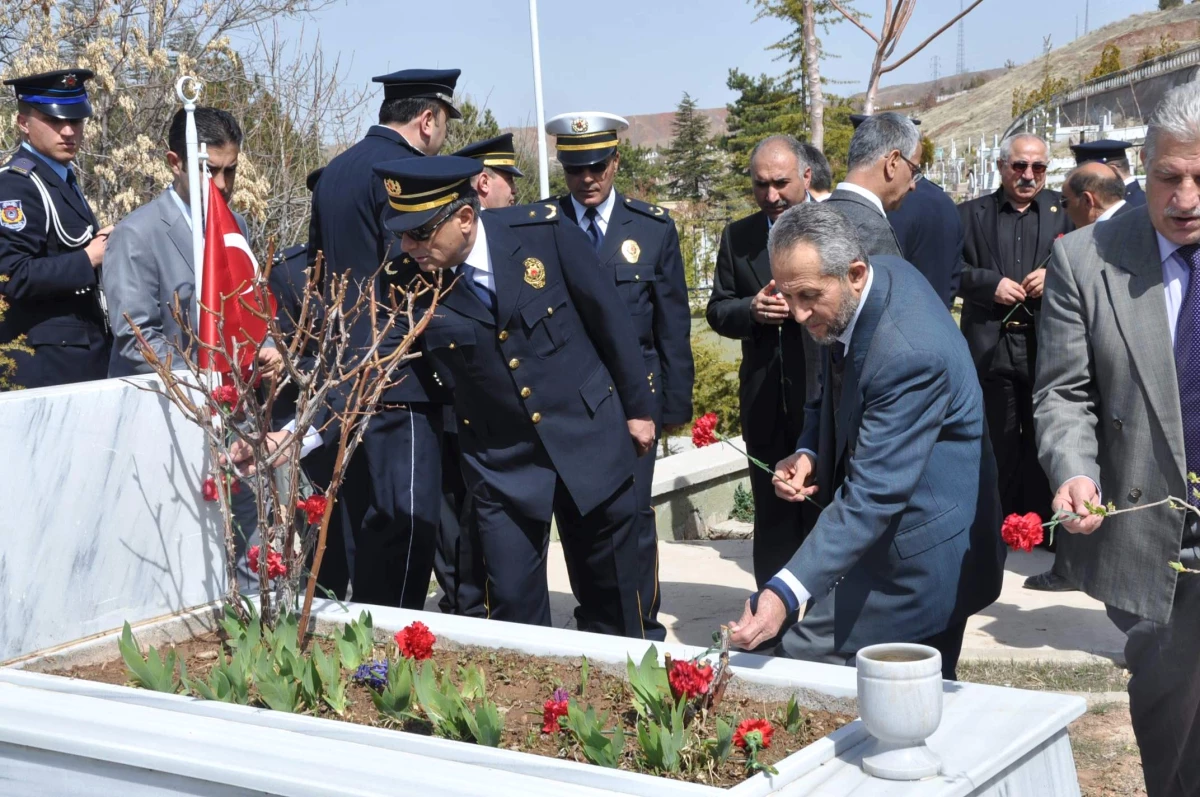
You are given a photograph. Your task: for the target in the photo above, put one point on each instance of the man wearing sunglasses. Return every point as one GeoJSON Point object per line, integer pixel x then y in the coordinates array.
{"type": "Point", "coordinates": [393, 500]}
{"type": "Point", "coordinates": [638, 248]}
{"type": "Point", "coordinates": [881, 170]}
{"type": "Point", "coordinates": [550, 393]}
{"type": "Point", "coordinates": [1009, 234]}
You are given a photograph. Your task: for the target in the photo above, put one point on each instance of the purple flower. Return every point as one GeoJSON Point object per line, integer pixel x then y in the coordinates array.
{"type": "Point", "coordinates": [561, 695]}
{"type": "Point", "coordinates": [374, 674]}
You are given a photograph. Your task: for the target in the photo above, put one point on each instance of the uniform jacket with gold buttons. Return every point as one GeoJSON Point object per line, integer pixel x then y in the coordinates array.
{"type": "Point", "coordinates": [542, 387]}
{"type": "Point", "coordinates": [641, 253]}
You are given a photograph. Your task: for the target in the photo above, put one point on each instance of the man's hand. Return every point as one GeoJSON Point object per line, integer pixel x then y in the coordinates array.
{"type": "Point", "coordinates": [794, 477]}
{"type": "Point", "coordinates": [1071, 497]}
{"type": "Point", "coordinates": [241, 453]}
{"type": "Point", "coordinates": [270, 363]}
{"type": "Point", "coordinates": [754, 629]}
{"type": "Point", "coordinates": [767, 308]}
{"type": "Point", "coordinates": [95, 249]}
{"type": "Point", "coordinates": [1009, 292]}
{"type": "Point", "coordinates": [642, 432]}
{"type": "Point", "coordinates": [1034, 283]}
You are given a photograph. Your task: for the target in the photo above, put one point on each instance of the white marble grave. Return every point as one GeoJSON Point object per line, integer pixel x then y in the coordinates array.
{"type": "Point", "coordinates": [102, 519]}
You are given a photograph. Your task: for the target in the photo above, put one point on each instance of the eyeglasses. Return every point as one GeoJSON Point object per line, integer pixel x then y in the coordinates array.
{"type": "Point", "coordinates": [917, 173]}
{"type": "Point", "coordinates": [426, 231]}
{"type": "Point", "coordinates": [1020, 166]}
{"type": "Point", "coordinates": [594, 168]}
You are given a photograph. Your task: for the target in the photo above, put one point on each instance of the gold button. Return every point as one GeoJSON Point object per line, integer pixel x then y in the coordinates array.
{"type": "Point", "coordinates": [526, 392]}
{"type": "Point", "coordinates": [514, 363]}
{"type": "Point", "coordinates": [637, 277]}
{"type": "Point", "coordinates": [536, 417]}
{"type": "Point", "coordinates": [651, 390]}
{"type": "Point", "coordinates": [452, 346]}
{"type": "Point", "coordinates": [610, 388]}
{"type": "Point", "coordinates": [549, 311]}
{"type": "Point", "coordinates": [503, 335]}
{"type": "Point", "coordinates": [466, 421]}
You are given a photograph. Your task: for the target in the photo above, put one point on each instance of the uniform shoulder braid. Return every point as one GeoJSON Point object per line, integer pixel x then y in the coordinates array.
{"type": "Point", "coordinates": [547, 212]}
{"type": "Point", "coordinates": [646, 209]}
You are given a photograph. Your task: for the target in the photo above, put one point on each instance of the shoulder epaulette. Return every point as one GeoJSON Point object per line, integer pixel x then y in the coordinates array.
{"type": "Point", "coordinates": [646, 209]}
{"type": "Point", "coordinates": [521, 215]}
{"type": "Point", "coordinates": [22, 166]}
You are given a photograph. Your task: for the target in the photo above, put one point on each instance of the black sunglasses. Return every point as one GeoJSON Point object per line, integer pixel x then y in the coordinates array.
{"type": "Point", "coordinates": [426, 231]}
{"type": "Point", "coordinates": [1020, 166]}
{"type": "Point", "coordinates": [917, 172]}
{"type": "Point", "coordinates": [594, 168]}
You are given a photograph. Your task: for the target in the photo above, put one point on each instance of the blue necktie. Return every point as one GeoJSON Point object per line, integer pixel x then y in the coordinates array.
{"type": "Point", "coordinates": [467, 273]}
{"type": "Point", "coordinates": [593, 228]}
{"type": "Point", "coordinates": [1187, 363]}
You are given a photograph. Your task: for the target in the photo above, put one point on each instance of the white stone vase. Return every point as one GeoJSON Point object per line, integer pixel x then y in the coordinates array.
{"type": "Point", "coordinates": [900, 701]}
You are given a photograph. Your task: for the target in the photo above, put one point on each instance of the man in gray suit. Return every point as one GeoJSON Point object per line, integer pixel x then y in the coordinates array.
{"type": "Point", "coordinates": [882, 169]}
{"type": "Point", "coordinates": [149, 259]}
{"type": "Point", "coordinates": [1116, 407]}
{"type": "Point", "coordinates": [907, 546]}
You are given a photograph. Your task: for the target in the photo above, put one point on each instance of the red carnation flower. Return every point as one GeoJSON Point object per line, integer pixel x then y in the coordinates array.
{"type": "Point", "coordinates": [1022, 532]}
{"type": "Point", "coordinates": [209, 489]}
{"type": "Point", "coordinates": [551, 711]}
{"type": "Point", "coordinates": [416, 641]}
{"type": "Point", "coordinates": [689, 679]}
{"type": "Point", "coordinates": [225, 394]}
{"type": "Point", "coordinates": [275, 565]}
{"type": "Point", "coordinates": [704, 430]}
{"type": "Point", "coordinates": [750, 727]}
{"type": "Point", "coordinates": [235, 486]}
{"type": "Point", "coordinates": [314, 507]}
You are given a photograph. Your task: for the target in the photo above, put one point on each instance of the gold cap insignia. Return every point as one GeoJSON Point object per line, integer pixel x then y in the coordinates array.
{"type": "Point", "coordinates": [392, 186]}
{"type": "Point", "coordinates": [631, 250]}
{"type": "Point", "coordinates": [579, 125]}
{"type": "Point", "coordinates": [535, 273]}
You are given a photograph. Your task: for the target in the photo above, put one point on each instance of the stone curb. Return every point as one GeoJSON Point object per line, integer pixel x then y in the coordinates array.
{"type": "Point", "coordinates": [1039, 654]}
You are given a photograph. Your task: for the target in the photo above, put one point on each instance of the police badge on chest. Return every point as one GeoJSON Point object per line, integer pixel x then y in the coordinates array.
{"type": "Point", "coordinates": [12, 217]}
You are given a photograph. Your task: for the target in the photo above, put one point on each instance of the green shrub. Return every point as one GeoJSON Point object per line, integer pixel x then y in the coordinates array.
{"type": "Point", "coordinates": [716, 387]}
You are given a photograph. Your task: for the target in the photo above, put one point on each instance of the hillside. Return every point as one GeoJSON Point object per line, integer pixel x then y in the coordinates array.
{"type": "Point", "coordinates": [645, 130]}
{"type": "Point", "coordinates": [988, 110]}
{"type": "Point", "coordinates": [913, 93]}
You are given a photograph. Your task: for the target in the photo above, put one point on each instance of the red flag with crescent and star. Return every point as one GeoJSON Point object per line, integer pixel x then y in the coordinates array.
{"type": "Point", "coordinates": [230, 302]}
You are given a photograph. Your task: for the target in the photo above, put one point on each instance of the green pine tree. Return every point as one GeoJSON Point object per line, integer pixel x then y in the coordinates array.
{"type": "Point", "coordinates": [691, 162]}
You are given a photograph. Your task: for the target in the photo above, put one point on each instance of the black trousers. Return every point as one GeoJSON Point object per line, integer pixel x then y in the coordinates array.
{"type": "Point", "coordinates": [779, 526]}
{"type": "Point", "coordinates": [602, 553]}
{"type": "Point", "coordinates": [1008, 404]}
{"type": "Point", "coordinates": [393, 496]}
{"type": "Point", "coordinates": [1164, 688]}
{"type": "Point", "coordinates": [458, 559]}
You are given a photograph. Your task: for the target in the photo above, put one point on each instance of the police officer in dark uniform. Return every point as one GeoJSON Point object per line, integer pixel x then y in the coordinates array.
{"type": "Point", "coordinates": [638, 247]}
{"type": "Point", "coordinates": [392, 490]}
{"type": "Point", "coordinates": [458, 563]}
{"type": "Point", "coordinates": [51, 245]}
{"type": "Point", "coordinates": [549, 389]}
{"type": "Point", "coordinates": [1112, 153]}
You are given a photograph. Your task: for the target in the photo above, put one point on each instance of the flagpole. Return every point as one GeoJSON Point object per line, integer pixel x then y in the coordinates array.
{"type": "Point", "coordinates": [543, 161]}
{"type": "Point", "coordinates": [195, 204]}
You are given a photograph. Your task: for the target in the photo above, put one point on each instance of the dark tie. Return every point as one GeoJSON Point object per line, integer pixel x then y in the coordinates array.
{"type": "Point", "coordinates": [838, 358]}
{"type": "Point", "coordinates": [467, 272]}
{"type": "Point", "coordinates": [71, 181]}
{"type": "Point", "coordinates": [593, 228]}
{"type": "Point", "coordinates": [1187, 363]}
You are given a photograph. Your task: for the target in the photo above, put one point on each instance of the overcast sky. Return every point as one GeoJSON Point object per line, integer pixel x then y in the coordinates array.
{"type": "Point", "coordinates": [639, 56]}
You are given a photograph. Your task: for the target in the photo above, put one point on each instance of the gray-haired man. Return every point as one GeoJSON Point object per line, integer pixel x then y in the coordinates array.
{"type": "Point", "coordinates": [1117, 410]}
{"type": "Point", "coordinates": [881, 170]}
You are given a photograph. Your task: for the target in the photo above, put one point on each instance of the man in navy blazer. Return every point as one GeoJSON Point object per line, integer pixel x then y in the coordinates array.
{"type": "Point", "coordinates": [895, 448]}
{"type": "Point", "coordinates": [930, 233]}
{"type": "Point", "coordinates": [550, 394]}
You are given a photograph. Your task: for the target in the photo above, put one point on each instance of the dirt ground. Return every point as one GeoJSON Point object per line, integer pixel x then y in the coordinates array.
{"type": "Point", "coordinates": [1106, 755]}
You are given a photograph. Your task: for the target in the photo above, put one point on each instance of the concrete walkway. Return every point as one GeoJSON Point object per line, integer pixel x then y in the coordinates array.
{"type": "Point", "coordinates": [705, 584]}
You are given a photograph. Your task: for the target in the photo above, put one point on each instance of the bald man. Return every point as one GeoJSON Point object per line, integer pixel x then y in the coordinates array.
{"type": "Point", "coordinates": [1093, 192]}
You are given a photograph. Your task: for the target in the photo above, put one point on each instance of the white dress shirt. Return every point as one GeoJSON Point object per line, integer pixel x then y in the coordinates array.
{"type": "Point", "coordinates": [1176, 276]}
{"type": "Point", "coordinates": [603, 212]}
{"type": "Point", "coordinates": [801, 594]}
{"type": "Point", "coordinates": [481, 259]}
{"type": "Point", "coordinates": [1108, 214]}
{"type": "Point", "coordinates": [865, 194]}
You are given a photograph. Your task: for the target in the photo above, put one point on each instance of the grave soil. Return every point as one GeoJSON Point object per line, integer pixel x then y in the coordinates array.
{"type": "Point", "coordinates": [519, 684]}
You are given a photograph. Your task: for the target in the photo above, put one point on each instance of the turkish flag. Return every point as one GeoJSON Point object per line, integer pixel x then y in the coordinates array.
{"type": "Point", "coordinates": [229, 294]}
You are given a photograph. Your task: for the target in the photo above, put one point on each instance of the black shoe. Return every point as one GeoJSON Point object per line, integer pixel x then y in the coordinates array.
{"type": "Point", "coordinates": [1049, 582]}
